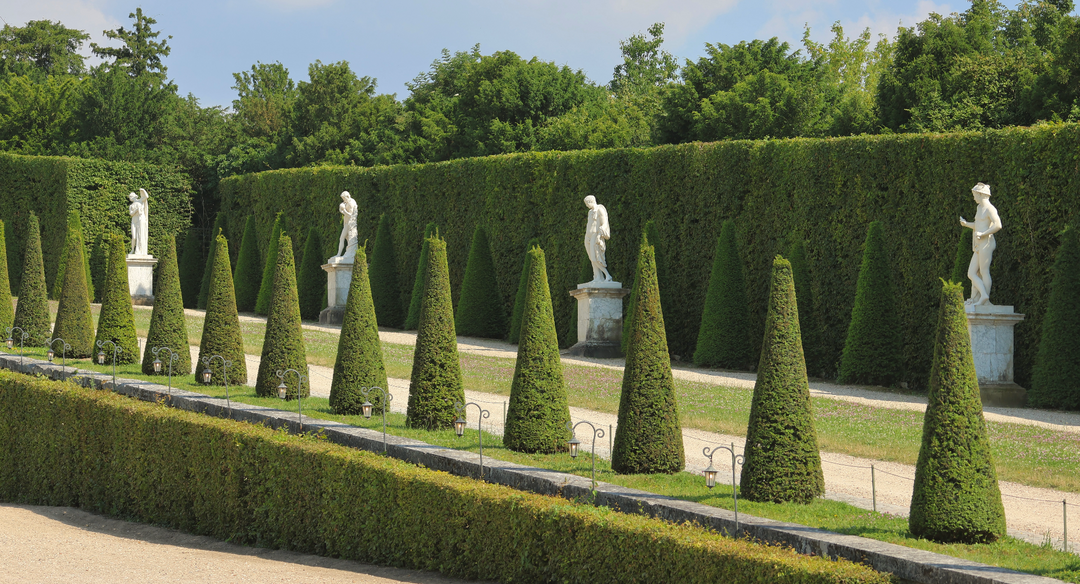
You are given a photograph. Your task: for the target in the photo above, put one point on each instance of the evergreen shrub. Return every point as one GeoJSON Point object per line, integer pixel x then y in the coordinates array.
{"type": "Point", "coordinates": [116, 321]}
{"type": "Point", "coordinates": [435, 383]}
{"type": "Point", "coordinates": [519, 299]}
{"type": "Point", "coordinates": [359, 360]}
{"type": "Point", "coordinates": [74, 224]}
{"type": "Point", "coordinates": [648, 438]}
{"type": "Point", "coordinates": [7, 308]}
{"type": "Point", "coordinates": [74, 323]}
{"type": "Point", "coordinates": [99, 265]}
{"type": "Point", "coordinates": [412, 318]}
{"type": "Point", "coordinates": [724, 337]}
{"type": "Point", "coordinates": [962, 261]}
{"type": "Point", "coordinates": [266, 287]}
{"type": "Point", "coordinates": [873, 353]}
{"type": "Point", "coordinates": [1054, 384]}
{"type": "Point", "coordinates": [782, 462]}
{"type": "Point", "coordinates": [956, 496]}
{"type": "Point", "coordinates": [808, 322]}
{"type": "Point", "coordinates": [538, 412]}
{"type": "Point", "coordinates": [311, 279]}
{"type": "Point", "coordinates": [191, 268]}
{"type": "Point", "coordinates": [481, 310]}
{"type": "Point", "coordinates": [167, 325]}
{"type": "Point", "coordinates": [32, 311]}
{"type": "Point", "coordinates": [385, 292]}
{"type": "Point", "coordinates": [649, 236]}
{"type": "Point", "coordinates": [248, 275]}
{"type": "Point", "coordinates": [208, 272]}
{"type": "Point", "coordinates": [221, 325]}
{"type": "Point", "coordinates": [283, 344]}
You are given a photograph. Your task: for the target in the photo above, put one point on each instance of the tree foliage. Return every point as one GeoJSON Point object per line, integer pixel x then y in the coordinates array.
{"type": "Point", "coordinates": [41, 48]}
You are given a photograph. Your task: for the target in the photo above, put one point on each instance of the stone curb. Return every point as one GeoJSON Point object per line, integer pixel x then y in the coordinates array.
{"type": "Point", "coordinates": [907, 563]}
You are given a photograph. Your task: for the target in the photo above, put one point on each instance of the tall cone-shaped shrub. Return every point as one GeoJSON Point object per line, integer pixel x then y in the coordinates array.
{"type": "Point", "coordinates": [208, 273]}
{"type": "Point", "coordinates": [116, 322]}
{"type": "Point", "coordinates": [808, 322]}
{"type": "Point", "coordinates": [538, 411]}
{"type": "Point", "coordinates": [248, 273]}
{"type": "Point", "coordinates": [167, 326]}
{"type": "Point", "coordinates": [962, 261]}
{"type": "Point", "coordinates": [359, 356]}
{"type": "Point", "coordinates": [956, 496]}
{"type": "Point", "coordinates": [873, 353]}
{"type": "Point", "coordinates": [481, 310]}
{"type": "Point", "coordinates": [412, 318]}
{"type": "Point", "coordinates": [435, 383]}
{"type": "Point", "coordinates": [649, 236]}
{"type": "Point", "coordinates": [283, 344]}
{"type": "Point", "coordinates": [724, 339]}
{"type": "Point", "coordinates": [191, 268]}
{"type": "Point", "coordinates": [99, 266]}
{"type": "Point", "coordinates": [74, 224]}
{"type": "Point", "coordinates": [311, 279]}
{"type": "Point", "coordinates": [584, 275]}
{"type": "Point", "coordinates": [7, 309]}
{"type": "Point", "coordinates": [32, 311]}
{"type": "Point", "coordinates": [519, 298]}
{"type": "Point", "coordinates": [783, 463]}
{"type": "Point", "coordinates": [1057, 364]}
{"type": "Point", "coordinates": [221, 326]}
{"type": "Point", "coordinates": [266, 287]}
{"type": "Point", "coordinates": [73, 321]}
{"type": "Point", "coordinates": [649, 437]}
{"type": "Point", "coordinates": [385, 292]}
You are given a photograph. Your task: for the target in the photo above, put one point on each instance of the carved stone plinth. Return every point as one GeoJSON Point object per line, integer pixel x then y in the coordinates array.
{"type": "Point", "coordinates": [599, 320]}
{"type": "Point", "coordinates": [991, 331]}
{"type": "Point", "coordinates": [141, 279]}
{"type": "Point", "coordinates": [338, 280]}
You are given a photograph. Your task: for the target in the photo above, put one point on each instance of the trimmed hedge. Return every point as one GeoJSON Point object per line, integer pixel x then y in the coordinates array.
{"type": "Point", "coordinates": [53, 187]}
{"type": "Point", "coordinates": [283, 343]}
{"type": "Point", "coordinates": [311, 279]}
{"type": "Point", "coordinates": [167, 325]}
{"type": "Point", "coordinates": [255, 486]}
{"type": "Point", "coordinates": [1057, 366]}
{"type": "Point", "coordinates": [956, 496]}
{"type": "Point", "coordinates": [724, 337]}
{"type": "Point", "coordinates": [99, 264]}
{"type": "Point", "coordinates": [649, 236]}
{"type": "Point", "coordinates": [74, 224]}
{"type": "Point", "coordinates": [192, 263]}
{"type": "Point", "coordinates": [412, 317]}
{"type": "Point", "coordinates": [963, 260]}
{"type": "Point", "coordinates": [221, 325]}
{"type": "Point", "coordinates": [783, 462]}
{"type": "Point", "coordinates": [385, 292]}
{"type": "Point", "coordinates": [74, 323]}
{"type": "Point", "coordinates": [7, 309]}
{"type": "Point", "coordinates": [523, 286]}
{"type": "Point", "coordinates": [248, 275]}
{"type": "Point", "coordinates": [208, 269]}
{"type": "Point", "coordinates": [116, 322]}
{"type": "Point", "coordinates": [823, 190]}
{"type": "Point", "coordinates": [266, 286]}
{"type": "Point", "coordinates": [359, 361]}
{"type": "Point", "coordinates": [32, 311]}
{"type": "Point", "coordinates": [538, 412]}
{"type": "Point", "coordinates": [481, 310]}
{"type": "Point", "coordinates": [808, 321]}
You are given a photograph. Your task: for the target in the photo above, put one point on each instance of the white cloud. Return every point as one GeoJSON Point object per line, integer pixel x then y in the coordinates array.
{"type": "Point", "coordinates": [790, 17]}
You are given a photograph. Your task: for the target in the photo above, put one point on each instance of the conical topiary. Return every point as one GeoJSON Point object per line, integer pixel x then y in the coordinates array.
{"type": "Point", "coordinates": [74, 224]}
{"type": "Point", "coordinates": [208, 273]}
{"type": "Point", "coordinates": [191, 268]}
{"type": "Point", "coordinates": [385, 292]}
{"type": "Point", "coordinates": [412, 318]}
{"type": "Point", "coordinates": [116, 322]}
{"type": "Point", "coordinates": [283, 344]}
{"type": "Point", "coordinates": [873, 353]}
{"type": "Point", "coordinates": [782, 462]}
{"type": "Point", "coordinates": [262, 302]}
{"type": "Point", "coordinates": [956, 496]}
{"type": "Point", "coordinates": [311, 280]}
{"type": "Point", "coordinates": [167, 325]}
{"type": "Point", "coordinates": [1057, 364]}
{"type": "Point", "coordinates": [585, 274]}
{"type": "Point", "coordinates": [74, 324]}
{"type": "Point", "coordinates": [7, 309]}
{"type": "Point", "coordinates": [962, 261]}
{"type": "Point", "coordinates": [808, 322]}
{"type": "Point", "coordinates": [519, 299]}
{"type": "Point", "coordinates": [99, 266]}
{"type": "Point", "coordinates": [248, 274]}
{"type": "Point", "coordinates": [648, 438]}
{"type": "Point", "coordinates": [435, 383]}
{"type": "Point", "coordinates": [651, 236]}
{"type": "Point", "coordinates": [32, 311]}
{"type": "Point", "coordinates": [538, 412]}
{"type": "Point", "coordinates": [724, 339]}
{"type": "Point", "coordinates": [221, 326]}
{"type": "Point", "coordinates": [359, 361]}
{"type": "Point", "coordinates": [481, 310]}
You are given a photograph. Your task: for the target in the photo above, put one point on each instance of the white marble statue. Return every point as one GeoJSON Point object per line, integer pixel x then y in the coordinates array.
{"type": "Point", "coordinates": [986, 224]}
{"type": "Point", "coordinates": [348, 240]}
{"type": "Point", "coordinates": [139, 209]}
{"type": "Point", "coordinates": [597, 232]}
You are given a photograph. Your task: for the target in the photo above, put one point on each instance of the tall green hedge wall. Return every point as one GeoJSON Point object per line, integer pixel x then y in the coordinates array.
{"type": "Point", "coordinates": [98, 189]}
{"type": "Point", "coordinates": [825, 190]}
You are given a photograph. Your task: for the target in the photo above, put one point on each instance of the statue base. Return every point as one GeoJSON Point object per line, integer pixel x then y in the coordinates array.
{"type": "Point", "coordinates": [599, 321]}
{"type": "Point", "coordinates": [141, 278]}
{"type": "Point", "coordinates": [338, 280]}
{"type": "Point", "coordinates": [991, 331]}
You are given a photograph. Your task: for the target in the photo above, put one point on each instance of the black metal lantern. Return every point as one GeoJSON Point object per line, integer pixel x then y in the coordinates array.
{"type": "Point", "coordinates": [101, 357]}
{"type": "Point", "coordinates": [10, 343]}
{"type": "Point", "coordinates": [157, 365]}
{"type": "Point", "coordinates": [282, 390]}
{"type": "Point", "coordinates": [574, 444]}
{"type": "Point", "coordinates": [206, 374]}
{"type": "Point", "coordinates": [366, 407]}
{"type": "Point", "coordinates": [459, 426]}
{"type": "Point", "coordinates": [50, 354]}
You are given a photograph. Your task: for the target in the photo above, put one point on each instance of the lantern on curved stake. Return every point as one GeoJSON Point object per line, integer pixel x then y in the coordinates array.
{"type": "Point", "coordinates": [575, 444]}
{"type": "Point", "coordinates": [208, 374]}
{"type": "Point", "coordinates": [367, 408]}
{"type": "Point", "coordinates": [101, 356]}
{"type": "Point", "coordinates": [158, 365]}
{"type": "Point", "coordinates": [51, 354]}
{"type": "Point", "coordinates": [23, 335]}
{"type": "Point", "coordinates": [459, 426]}
{"type": "Point", "coordinates": [710, 474]}
{"type": "Point", "coordinates": [283, 392]}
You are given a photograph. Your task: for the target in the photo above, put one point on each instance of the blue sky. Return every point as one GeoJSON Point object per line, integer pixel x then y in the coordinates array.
{"type": "Point", "coordinates": [393, 41]}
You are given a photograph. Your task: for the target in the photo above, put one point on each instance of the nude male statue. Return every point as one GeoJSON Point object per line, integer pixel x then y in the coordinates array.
{"type": "Point", "coordinates": [597, 232]}
{"type": "Point", "coordinates": [348, 240]}
{"type": "Point", "coordinates": [139, 209]}
{"type": "Point", "coordinates": [986, 224]}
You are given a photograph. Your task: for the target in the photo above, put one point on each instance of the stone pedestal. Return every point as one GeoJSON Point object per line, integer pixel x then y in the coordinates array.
{"type": "Point", "coordinates": [338, 280]}
{"type": "Point", "coordinates": [991, 331]}
{"type": "Point", "coordinates": [599, 319]}
{"type": "Point", "coordinates": [141, 279]}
